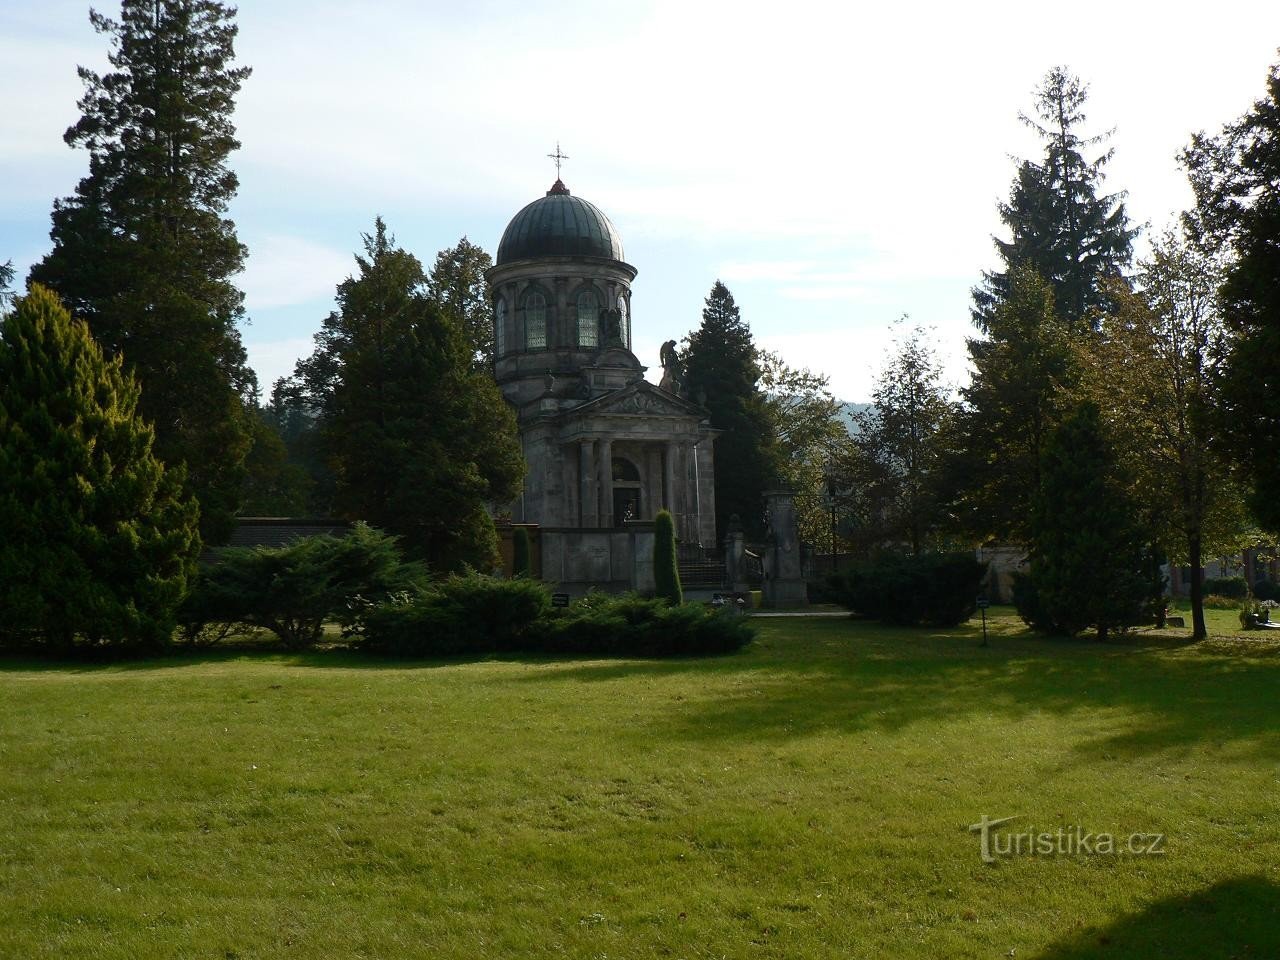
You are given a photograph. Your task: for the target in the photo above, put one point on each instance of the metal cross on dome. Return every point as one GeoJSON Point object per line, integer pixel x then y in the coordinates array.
{"type": "Point", "coordinates": [558, 157]}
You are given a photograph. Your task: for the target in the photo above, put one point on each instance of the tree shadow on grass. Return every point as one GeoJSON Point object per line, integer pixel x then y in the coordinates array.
{"type": "Point", "coordinates": [884, 681]}
{"type": "Point", "coordinates": [1236, 918]}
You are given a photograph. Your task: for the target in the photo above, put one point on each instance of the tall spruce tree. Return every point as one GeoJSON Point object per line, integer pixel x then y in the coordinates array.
{"type": "Point", "coordinates": [144, 252]}
{"type": "Point", "coordinates": [1089, 564]}
{"type": "Point", "coordinates": [419, 440]}
{"type": "Point", "coordinates": [722, 373]}
{"type": "Point", "coordinates": [457, 285]}
{"type": "Point", "coordinates": [1236, 177]}
{"type": "Point", "coordinates": [97, 539]}
{"type": "Point", "coordinates": [1059, 224]}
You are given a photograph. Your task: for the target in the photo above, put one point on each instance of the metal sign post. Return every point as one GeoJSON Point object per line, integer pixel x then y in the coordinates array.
{"type": "Point", "coordinates": [983, 603]}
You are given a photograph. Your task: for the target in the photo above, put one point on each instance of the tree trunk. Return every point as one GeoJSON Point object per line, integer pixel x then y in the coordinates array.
{"type": "Point", "coordinates": [1198, 631]}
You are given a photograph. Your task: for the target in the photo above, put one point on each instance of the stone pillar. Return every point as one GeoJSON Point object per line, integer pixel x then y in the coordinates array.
{"type": "Point", "coordinates": [784, 584]}
{"type": "Point", "coordinates": [587, 473]}
{"type": "Point", "coordinates": [735, 549]}
{"type": "Point", "coordinates": [669, 477]}
{"type": "Point", "coordinates": [688, 519]}
{"type": "Point", "coordinates": [606, 483]}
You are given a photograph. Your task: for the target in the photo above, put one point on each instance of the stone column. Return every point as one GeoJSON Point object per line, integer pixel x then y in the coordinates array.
{"type": "Point", "coordinates": [588, 482]}
{"type": "Point", "coordinates": [669, 477]}
{"type": "Point", "coordinates": [606, 483]}
{"type": "Point", "coordinates": [688, 525]}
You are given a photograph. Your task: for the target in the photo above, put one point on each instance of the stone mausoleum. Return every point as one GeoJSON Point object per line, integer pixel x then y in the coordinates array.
{"type": "Point", "coordinates": [606, 449]}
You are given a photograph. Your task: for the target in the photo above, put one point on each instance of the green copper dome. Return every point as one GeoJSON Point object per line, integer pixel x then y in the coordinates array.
{"type": "Point", "coordinates": [559, 225]}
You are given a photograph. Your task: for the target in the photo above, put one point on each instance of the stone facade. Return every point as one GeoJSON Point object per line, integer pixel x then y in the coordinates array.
{"type": "Point", "coordinates": [605, 448]}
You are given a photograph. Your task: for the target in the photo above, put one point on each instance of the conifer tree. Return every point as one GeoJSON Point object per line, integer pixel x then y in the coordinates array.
{"type": "Point", "coordinates": [419, 440]}
{"type": "Point", "coordinates": [1088, 554]}
{"type": "Point", "coordinates": [457, 285]}
{"type": "Point", "coordinates": [722, 374]}
{"type": "Point", "coordinates": [1022, 370]}
{"type": "Point", "coordinates": [97, 540]}
{"type": "Point", "coordinates": [144, 252]}
{"type": "Point", "coordinates": [1236, 177]}
{"type": "Point", "coordinates": [1059, 224]}
{"type": "Point", "coordinates": [666, 570]}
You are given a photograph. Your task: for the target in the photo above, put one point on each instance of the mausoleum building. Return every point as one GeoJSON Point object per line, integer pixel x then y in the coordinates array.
{"type": "Point", "coordinates": [604, 447]}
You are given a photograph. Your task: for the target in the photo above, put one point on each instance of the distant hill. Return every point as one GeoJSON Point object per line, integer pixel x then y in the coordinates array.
{"type": "Point", "coordinates": [849, 410]}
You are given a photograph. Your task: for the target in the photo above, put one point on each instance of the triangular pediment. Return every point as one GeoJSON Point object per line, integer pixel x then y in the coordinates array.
{"type": "Point", "coordinates": [641, 399]}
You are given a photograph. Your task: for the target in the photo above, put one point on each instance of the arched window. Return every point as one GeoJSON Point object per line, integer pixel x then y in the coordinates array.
{"type": "Point", "coordinates": [535, 321]}
{"type": "Point", "coordinates": [500, 327]}
{"type": "Point", "coordinates": [588, 319]}
{"type": "Point", "coordinates": [624, 471]}
{"type": "Point", "coordinates": [624, 322]}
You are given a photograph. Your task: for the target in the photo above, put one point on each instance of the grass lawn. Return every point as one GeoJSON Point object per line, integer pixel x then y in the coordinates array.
{"type": "Point", "coordinates": [807, 798]}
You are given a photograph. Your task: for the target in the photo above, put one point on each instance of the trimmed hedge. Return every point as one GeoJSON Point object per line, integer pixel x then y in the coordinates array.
{"type": "Point", "coordinates": [934, 589]}
{"type": "Point", "coordinates": [477, 615]}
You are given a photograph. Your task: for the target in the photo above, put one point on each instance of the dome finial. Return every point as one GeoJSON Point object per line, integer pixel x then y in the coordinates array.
{"type": "Point", "coordinates": [558, 186]}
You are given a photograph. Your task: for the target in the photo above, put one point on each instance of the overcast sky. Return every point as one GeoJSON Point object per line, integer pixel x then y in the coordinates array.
{"type": "Point", "coordinates": [837, 165]}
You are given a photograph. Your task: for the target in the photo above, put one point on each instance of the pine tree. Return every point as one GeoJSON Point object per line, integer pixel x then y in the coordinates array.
{"type": "Point", "coordinates": [722, 373]}
{"type": "Point", "coordinates": [666, 571]}
{"type": "Point", "coordinates": [97, 540]}
{"type": "Point", "coordinates": [1059, 225]}
{"type": "Point", "coordinates": [1236, 177]}
{"type": "Point", "coordinates": [1088, 554]}
{"type": "Point", "coordinates": [457, 285]}
{"type": "Point", "coordinates": [419, 440]}
{"type": "Point", "coordinates": [1022, 370]}
{"type": "Point", "coordinates": [143, 252]}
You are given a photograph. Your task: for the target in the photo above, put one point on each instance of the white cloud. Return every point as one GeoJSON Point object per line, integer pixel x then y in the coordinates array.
{"type": "Point", "coordinates": [273, 359]}
{"type": "Point", "coordinates": [285, 270]}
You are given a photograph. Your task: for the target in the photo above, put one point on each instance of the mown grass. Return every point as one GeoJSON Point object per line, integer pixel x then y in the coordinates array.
{"type": "Point", "coordinates": [807, 798]}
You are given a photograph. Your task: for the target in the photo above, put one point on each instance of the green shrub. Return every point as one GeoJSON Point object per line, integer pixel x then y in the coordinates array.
{"type": "Point", "coordinates": [666, 571]}
{"type": "Point", "coordinates": [632, 626]}
{"type": "Point", "coordinates": [474, 615]}
{"type": "Point", "coordinates": [1214, 601]}
{"type": "Point", "coordinates": [295, 589]}
{"type": "Point", "coordinates": [1266, 590]}
{"type": "Point", "coordinates": [1237, 588]}
{"type": "Point", "coordinates": [469, 614]}
{"type": "Point", "coordinates": [933, 589]}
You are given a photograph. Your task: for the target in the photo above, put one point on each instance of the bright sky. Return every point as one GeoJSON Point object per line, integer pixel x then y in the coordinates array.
{"type": "Point", "coordinates": [836, 164]}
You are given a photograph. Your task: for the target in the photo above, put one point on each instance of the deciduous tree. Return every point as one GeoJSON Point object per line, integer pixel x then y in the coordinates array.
{"type": "Point", "coordinates": [895, 465]}
{"type": "Point", "coordinates": [1153, 374]}
{"type": "Point", "coordinates": [1236, 177]}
